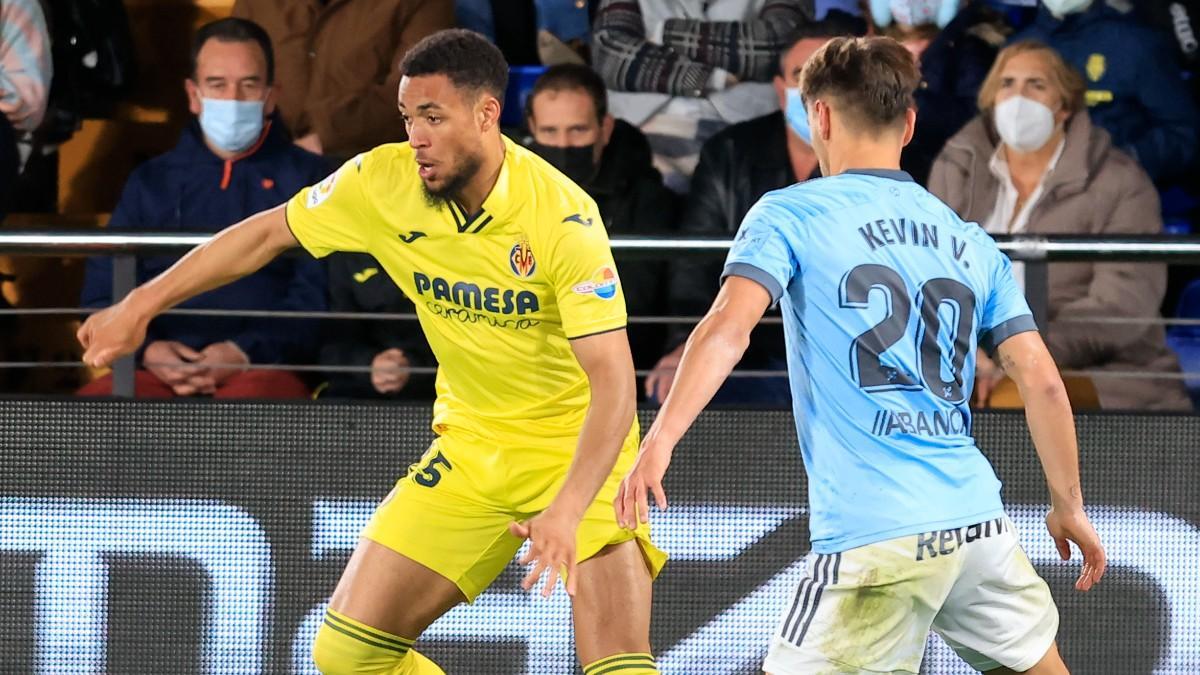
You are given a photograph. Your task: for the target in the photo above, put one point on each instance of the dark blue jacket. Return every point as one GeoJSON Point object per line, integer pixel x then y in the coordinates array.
{"type": "Point", "coordinates": [189, 189]}
{"type": "Point", "coordinates": [1135, 86]}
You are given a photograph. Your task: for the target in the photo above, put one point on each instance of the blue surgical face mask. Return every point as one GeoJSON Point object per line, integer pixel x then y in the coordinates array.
{"type": "Point", "coordinates": [797, 117]}
{"type": "Point", "coordinates": [231, 125]}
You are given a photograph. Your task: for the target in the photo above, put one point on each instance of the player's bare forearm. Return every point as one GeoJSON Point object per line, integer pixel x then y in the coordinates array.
{"type": "Point", "coordinates": [233, 253]}
{"type": "Point", "coordinates": [1048, 410]}
{"type": "Point", "coordinates": [606, 360]}
{"type": "Point", "coordinates": [237, 251]}
{"type": "Point", "coordinates": [712, 351]}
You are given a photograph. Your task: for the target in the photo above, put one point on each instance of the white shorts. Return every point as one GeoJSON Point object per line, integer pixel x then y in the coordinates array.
{"type": "Point", "coordinates": [870, 609]}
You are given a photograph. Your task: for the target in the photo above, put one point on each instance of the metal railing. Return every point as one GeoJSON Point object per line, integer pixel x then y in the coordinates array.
{"type": "Point", "coordinates": [1036, 252]}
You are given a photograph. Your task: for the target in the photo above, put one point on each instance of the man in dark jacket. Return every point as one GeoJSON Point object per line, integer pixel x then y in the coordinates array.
{"type": "Point", "coordinates": [567, 115]}
{"type": "Point", "coordinates": [357, 283]}
{"type": "Point", "coordinates": [232, 162]}
{"type": "Point", "coordinates": [737, 166]}
{"type": "Point", "coordinates": [1135, 89]}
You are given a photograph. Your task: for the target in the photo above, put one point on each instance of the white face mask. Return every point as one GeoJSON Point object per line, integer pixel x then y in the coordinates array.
{"type": "Point", "coordinates": [1024, 124]}
{"type": "Point", "coordinates": [1061, 8]}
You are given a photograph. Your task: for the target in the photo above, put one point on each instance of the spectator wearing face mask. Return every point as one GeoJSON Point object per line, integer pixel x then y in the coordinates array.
{"type": "Point", "coordinates": [1033, 163]}
{"type": "Point", "coordinates": [955, 43]}
{"type": "Point", "coordinates": [1135, 89]}
{"type": "Point", "coordinates": [568, 119]}
{"type": "Point", "coordinates": [233, 161]}
{"type": "Point", "coordinates": [737, 167]}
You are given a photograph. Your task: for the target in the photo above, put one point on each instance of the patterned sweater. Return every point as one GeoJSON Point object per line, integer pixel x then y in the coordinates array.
{"type": "Point", "coordinates": [681, 61]}
{"type": "Point", "coordinates": [25, 66]}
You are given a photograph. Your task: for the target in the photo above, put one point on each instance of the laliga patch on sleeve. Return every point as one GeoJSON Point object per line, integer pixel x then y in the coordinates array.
{"type": "Point", "coordinates": [603, 284]}
{"type": "Point", "coordinates": [321, 191]}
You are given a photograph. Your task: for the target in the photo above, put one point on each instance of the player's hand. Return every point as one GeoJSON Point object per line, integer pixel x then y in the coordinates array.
{"type": "Point", "coordinates": [658, 382]}
{"type": "Point", "coordinates": [224, 360]}
{"type": "Point", "coordinates": [110, 334]}
{"type": "Point", "coordinates": [551, 549]}
{"type": "Point", "coordinates": [633, 497]}
{"type": "Point", "coordinates": [987, 376]}
{"type": "Point", "coordinates": [390, 371]}
{"type": "Point", "coordinates": [1067, 525]}
{"type": "Point", "coordinates": [176, 365]}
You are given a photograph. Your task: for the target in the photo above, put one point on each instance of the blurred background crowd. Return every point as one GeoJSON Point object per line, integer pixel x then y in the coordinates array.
{"type": "Point", "coordinates": [1071, 117]}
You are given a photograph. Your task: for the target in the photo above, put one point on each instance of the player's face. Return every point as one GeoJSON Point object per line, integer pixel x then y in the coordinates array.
{"type": "Point", "coordinates": [566, 118]}
{"type": "Point", "coordinates": [230, 71]}
{"type": "Point", "coordinates": [1028, 74]}
{"type": "Point", "coordinates": [446, 129]}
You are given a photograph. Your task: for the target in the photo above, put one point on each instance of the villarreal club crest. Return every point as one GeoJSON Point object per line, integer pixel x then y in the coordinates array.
{"type": "Point", "coordinates": [521, 260]}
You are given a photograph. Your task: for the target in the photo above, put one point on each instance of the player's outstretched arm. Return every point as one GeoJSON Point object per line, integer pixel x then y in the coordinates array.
{"type": "Point", "coordinates": [233, 253]}
{"type": "Point", "coordinates": [1027, 361]}
{"type": "Point", "coordinates": [713, 349]}
{"type": "Point", "coordinates": [606, 360]}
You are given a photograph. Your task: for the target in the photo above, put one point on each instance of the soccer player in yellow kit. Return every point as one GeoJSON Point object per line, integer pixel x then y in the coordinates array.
{"type": "Point", "coordinates": [510, 270]}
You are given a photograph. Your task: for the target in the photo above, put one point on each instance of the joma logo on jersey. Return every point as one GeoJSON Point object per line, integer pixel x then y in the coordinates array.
{"type": "Point", "coordinates": [472, 296]}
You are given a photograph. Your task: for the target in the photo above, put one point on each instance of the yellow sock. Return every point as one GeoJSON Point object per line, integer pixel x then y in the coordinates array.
{"type": "Point", "coordinates": [623, 664]}
{"type": "Point", "coordinates": [348, 647]}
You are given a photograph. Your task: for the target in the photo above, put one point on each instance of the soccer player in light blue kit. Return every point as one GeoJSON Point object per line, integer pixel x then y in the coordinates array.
{"type": "Point", "coordinates": [886, 295]}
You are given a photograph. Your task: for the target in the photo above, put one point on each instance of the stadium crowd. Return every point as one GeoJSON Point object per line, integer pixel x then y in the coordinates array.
{"type": "Point", "coordinates": [1056, 117]}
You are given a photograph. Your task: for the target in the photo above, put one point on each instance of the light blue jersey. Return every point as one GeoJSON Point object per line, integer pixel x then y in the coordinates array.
{"type": "Point", "coordinates": [886, 293]}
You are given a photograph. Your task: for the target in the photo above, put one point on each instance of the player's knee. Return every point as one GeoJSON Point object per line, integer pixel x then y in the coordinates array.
{"type": "Point", "coordinates": [346, 647]}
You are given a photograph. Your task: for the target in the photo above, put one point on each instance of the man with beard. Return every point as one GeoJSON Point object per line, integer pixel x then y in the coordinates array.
{"type": "Point", "coordinates": [510, 270]}
{"type": "Point", "coordinates": [567, 114]}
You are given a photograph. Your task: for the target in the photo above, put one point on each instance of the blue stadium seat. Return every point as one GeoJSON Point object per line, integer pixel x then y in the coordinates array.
{"type": "Point", "coordinates": [520, 82]}
{"type": "Point", "coordinates": [1185, 340]}
{"type": "Point", "coordinates": [1180, 209]}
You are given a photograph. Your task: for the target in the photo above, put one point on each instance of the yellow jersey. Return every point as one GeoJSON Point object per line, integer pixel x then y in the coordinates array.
{"type": "Point", "coordinates": [498, 293]}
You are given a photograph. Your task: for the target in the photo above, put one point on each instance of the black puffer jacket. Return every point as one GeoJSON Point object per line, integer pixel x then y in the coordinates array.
{"type": "Point", "coordinates": [737, 166]}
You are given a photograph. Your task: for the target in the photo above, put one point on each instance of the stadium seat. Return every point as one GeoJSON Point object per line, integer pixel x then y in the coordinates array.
{"type": "Point", "coordinates": [520, 83]}
{"type": "Point", "coordinates": [1185, 340]}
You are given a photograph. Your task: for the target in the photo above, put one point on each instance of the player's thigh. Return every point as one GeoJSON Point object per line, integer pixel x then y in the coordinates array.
{"type": "Point", "coordinates": [1051, 664]}
{"type": "Point", "coordinates": [865, 609]}
{"type": "Point", "coordinates": [388, 591]}
{"type": "Point", "coordinates": [438, 520]}
{"type": "Point", "coordinates": [1000, 613]}
{"type": "Point", "coordinates": [611, 606]}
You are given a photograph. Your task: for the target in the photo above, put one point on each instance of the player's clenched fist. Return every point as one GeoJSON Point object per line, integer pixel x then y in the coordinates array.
{"type": "Point", "coordinates": [551, 550]}
{"type": "Point", "coordinates": [110, 334]}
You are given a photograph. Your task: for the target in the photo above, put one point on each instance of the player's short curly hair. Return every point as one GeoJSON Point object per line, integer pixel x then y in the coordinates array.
{"type": "Point", "coordinates": [873, 80]}
{"type": "Point", "coordinates": [467, 58]}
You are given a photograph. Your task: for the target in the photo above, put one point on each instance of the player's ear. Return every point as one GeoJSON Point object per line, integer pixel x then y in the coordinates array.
{"type": "Point", "coordinates": [824, 123]}
{"type": "Point", "coordinates": [488, 112]}
{"type": "Point", "coordinates": [910, 125]}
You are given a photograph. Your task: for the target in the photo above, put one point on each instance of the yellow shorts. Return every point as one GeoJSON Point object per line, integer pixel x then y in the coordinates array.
{"type": "Point", "coordinates": [451, 512]}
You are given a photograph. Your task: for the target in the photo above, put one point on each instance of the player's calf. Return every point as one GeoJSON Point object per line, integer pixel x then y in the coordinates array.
{"type": "Point", "coordinates": [348, 647]}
